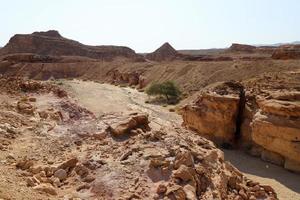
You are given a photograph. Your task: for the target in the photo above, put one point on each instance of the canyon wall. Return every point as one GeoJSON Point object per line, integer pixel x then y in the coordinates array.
{"type": "Point", "coordinates": [265, 122]}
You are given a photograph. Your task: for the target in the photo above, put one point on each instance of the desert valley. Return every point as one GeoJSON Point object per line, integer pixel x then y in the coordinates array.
{"type": "Point", "coordinates": [76, 122]}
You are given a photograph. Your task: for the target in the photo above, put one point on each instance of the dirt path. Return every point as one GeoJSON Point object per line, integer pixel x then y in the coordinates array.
{"type": "Point", "coordinates": [104, 98]}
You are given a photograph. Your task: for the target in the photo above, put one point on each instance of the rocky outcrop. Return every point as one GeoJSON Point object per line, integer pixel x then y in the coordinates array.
{"type": "Point", "coordinates": [52, 43]}
{"type": "Point", "coordinates": [129, 125]}
{"type": "Point", "coordinates": [287, 52]}
{"type": "Point", "coordinates": [276, 127]}
{"type": "Point", "coordinates": [119, 78]}
{"type": "Point", "coordinates": [164, 53]}
{"type": "Point", "coordinates": [215, 112]}
{"type": "Point", "coordinates": [264, 117]}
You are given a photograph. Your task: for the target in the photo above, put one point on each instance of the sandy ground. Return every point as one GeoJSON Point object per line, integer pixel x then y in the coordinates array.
{"type": "Point", "coordinates": [104, 98]}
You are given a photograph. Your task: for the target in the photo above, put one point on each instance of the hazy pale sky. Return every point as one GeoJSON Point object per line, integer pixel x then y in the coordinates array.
{"type": "Point", "coordinates": [144, 25]}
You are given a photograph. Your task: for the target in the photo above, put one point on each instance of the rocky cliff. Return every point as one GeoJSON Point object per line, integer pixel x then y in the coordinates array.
{"type": "Point", "coordinates": [263, 116]}
{"type": "Point", "coordinates": [52, 43]}
{"type": "Point", "coordinates": [215, 112]}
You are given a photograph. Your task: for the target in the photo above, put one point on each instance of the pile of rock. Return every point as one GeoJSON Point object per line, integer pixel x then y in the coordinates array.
{"type": "Point", "coordinates": [16, 85]}
{"type": "Point", "coordinates": [46, 178]}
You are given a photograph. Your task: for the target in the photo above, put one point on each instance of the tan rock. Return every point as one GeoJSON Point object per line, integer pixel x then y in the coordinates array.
{"type": "Point", "coordinates": [32, 181]}
{"type": "Point", "coordinates": [277, 133]}
{"type": "Point", "coordinates": [131, 122]}
{"type": "Point", "coordinates": [24, 164]}
{"type": "Point", "coordinates": [161, 189]}
{"type": "Point", "coordinates": [46, 188]}
{"type": "Point", "coordinates": [25, 107]}
{"type": "Point", "coordinates": [183, 158]}
{"type": "Point", "coordinates": [280, 108]}
{"type": "Point", "coordinates": [292, 165]}
{"type": "Point", "coordinates": [81, 170]}
{"type": "Point", "coordinates": [214, 113]}
{"type": "Point", "coordinates": [71, 163]}
{"type": "Point", "coordinates": [176, 192]}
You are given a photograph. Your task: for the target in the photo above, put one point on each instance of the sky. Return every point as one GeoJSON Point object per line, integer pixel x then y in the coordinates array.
{"type": "Point", "coordinates": [144, 25]}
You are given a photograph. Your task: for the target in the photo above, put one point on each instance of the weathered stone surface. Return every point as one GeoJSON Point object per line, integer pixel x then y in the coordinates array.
{"type": "Point", "coordinates": [276, 127]}
{"type": "Point", "coordinates": [272, 157]}
{"type": "Point", "coordinates": [292, 165]}
{"type": "Point", "coordinates": [46, 188]}
{"type": "Point", "coordinates": [133, 121]}
{"type": "Point", "coordinates": [214, 113]}
{"type": "Point", "coordinates": [69, 164]}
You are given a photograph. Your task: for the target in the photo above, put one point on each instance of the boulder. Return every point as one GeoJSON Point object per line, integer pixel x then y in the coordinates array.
{"type": "Point", "coordinates": [69, 164]}
{"type": "Point", "coordinates": [214, 113]}
{"type": "Point", "coordinates": [125, 125]}
{"type": "Point", "coordinates": [46, 188]}
{"type": "Point", "coordinates": [81, 170]}
{"type": "Point", "coordinates": [61, 174]}
{"type": "Point", "coordinates": [276, 127]}
{"type": "Point", "coordinates": [25, 107]}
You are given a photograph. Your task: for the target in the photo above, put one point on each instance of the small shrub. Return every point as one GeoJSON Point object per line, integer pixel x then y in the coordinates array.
{"type": "Point", "coordinates": [166, 89]}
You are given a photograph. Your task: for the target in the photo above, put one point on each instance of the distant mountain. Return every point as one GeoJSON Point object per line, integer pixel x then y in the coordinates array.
{"type": "Point", "coordinates": [279, 44]}
{"type": "Point", "coordinates": [200, 51]}
{"type": "Point", "coordinates": [52, 43]}
{"type": "Point", "coordinates": [163, 53]}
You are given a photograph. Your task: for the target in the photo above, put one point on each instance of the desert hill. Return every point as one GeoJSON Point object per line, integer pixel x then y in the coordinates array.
{"type": "Point", "coordinates": [164, 53]}
{"type": "Point", "coordinates": [52, 43]}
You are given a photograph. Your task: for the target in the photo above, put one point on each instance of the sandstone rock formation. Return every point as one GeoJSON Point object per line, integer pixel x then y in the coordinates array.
{"type": "Point", "coordinates": [52, 43]}
{"type": "Point", "coordinates": [287, 52]}
{"type": "Point", "coordinates": [265, 115]}
{"type": "Point", "coordinates": [216, 111]}
{"type": "Point", "coordinates": [164, 53]}
{"type": "Point", "coordinates": [276, 127]}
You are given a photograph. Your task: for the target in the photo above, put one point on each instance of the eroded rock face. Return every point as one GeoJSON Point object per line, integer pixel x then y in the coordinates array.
{"type": "Point", "coordinates": [215, 112]}
{"type": "Point", "coordinates": [266, 120]}
{"type": "Point", "coordinates": [276, 127]}
{"type": "Point", "coordinates": [52, 43]}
